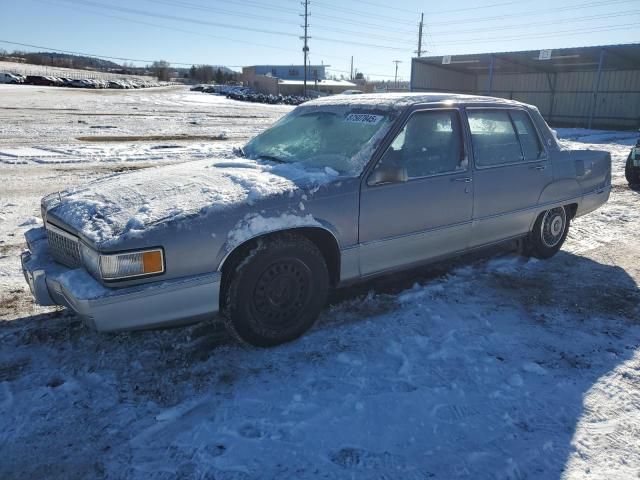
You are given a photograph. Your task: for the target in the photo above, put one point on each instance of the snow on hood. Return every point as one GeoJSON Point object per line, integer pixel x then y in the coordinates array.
{"type": "Point", "coordinates": [128, 203]}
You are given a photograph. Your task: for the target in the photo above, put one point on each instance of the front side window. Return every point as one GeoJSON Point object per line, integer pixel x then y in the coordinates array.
{"type": "Point", "coordinates": [340, 137]}
{"type": "Point", "coordinates": [429, 144]}
{"type": "Point", "coordinates": [494, 140]}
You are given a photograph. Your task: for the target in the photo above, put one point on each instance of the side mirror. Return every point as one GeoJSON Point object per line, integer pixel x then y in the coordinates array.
{"type": "Point", "coordinates": [388, 174]}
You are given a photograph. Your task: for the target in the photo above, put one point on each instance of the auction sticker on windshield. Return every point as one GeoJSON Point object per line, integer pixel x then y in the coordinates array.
{"type": "Point", "coordinates": [363, 118]}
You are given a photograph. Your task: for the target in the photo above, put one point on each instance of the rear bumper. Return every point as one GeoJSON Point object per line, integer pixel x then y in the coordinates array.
{"type": "Point", "coordinates": [159, 304]}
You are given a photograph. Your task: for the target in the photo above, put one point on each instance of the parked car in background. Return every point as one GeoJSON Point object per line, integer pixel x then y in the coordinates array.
{"type": "Point", "coordinates": [632, 167]}
{"type": "Point", "coordinates": [81, 83]}
{"type": "Point", "coordinates": [340, 190]}
{"type": "Point", "coordinates": [10, 78]}
{"type": "Point", "coordinates": [40, 80]}
{"type": "Point", "coordinates": [352, 92]}
{"type": "Point", "coordinates": [49, 80]}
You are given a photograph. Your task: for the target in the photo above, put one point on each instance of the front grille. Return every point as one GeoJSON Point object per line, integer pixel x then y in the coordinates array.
{"type": "Point", "coordinates": [64, 247]}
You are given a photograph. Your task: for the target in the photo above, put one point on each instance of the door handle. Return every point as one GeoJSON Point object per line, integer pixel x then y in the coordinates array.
{"type": "Point", "coordinates": [539, 167]}
{"type": "Point", "coordinates": [464, 179]}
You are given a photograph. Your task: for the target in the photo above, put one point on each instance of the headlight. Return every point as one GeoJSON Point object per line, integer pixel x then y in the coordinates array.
{"type": "Point", "coordinates": [120, 266]}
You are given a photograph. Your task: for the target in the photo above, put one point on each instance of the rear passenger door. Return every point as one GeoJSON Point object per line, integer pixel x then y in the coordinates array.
{"type": "Point", "coordinates": [511, 168]}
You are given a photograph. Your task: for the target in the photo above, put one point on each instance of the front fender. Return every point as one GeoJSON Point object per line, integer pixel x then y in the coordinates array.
{"type": "Point", "coordinates": [255, 225]}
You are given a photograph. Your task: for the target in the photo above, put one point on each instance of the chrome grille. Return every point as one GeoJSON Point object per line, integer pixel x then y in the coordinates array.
{"type": "Point", "coordinates": [63, 246]}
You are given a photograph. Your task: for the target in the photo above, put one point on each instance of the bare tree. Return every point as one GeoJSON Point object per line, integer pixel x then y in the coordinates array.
{"type": "Point", "coordinates": [160, 69]}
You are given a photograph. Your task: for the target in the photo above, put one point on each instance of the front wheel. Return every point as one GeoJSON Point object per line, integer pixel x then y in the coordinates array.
{"type": "Point", "coordinates": [277, 291]}
{"type": "Point", "coordinates": [548, 233]}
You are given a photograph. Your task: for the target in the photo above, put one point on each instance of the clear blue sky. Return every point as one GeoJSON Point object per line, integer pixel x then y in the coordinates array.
{"type": "Point", "coordinates": [375, 32]}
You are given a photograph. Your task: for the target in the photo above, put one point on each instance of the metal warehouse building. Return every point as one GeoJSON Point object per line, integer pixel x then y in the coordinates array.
{"type": "Point", "coordinates": [593, 87]}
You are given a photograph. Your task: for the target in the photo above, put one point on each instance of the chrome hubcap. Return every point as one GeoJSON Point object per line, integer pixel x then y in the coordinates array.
{"type": "Point", "coordinates": [553, 226]}
{"type": "Point", "coordinates": [556, 226]}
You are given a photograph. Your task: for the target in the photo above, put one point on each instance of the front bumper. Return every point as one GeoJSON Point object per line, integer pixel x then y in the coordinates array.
{"type": "Point", "coordinates": [158, 304]}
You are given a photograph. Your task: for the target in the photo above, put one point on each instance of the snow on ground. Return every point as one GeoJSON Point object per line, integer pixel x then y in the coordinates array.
{"type": "Point", "coordinates": [490, 366]}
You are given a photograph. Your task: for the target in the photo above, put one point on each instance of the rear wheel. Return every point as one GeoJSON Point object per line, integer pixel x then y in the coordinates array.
{"type": "Point", "coordinates": [548, 234]}
{"type": "Point", "coordinates": [276, 291]}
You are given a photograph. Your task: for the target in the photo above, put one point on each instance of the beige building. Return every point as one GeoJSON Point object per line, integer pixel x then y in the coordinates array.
{"type": "Point", "coordinates": [593, 87]}
{"type": "Point", "coordinates": [269, 84]}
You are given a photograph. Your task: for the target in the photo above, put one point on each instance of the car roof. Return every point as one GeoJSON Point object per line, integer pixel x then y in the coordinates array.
{"type": "Point", "coordinates": [401, 100]}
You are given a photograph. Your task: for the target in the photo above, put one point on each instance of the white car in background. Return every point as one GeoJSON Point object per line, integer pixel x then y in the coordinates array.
{"type": "Point", "coordinates": [10, 78]}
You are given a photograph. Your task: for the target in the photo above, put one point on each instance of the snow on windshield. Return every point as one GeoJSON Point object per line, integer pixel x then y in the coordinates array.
{"type": "Point", "coordinates": [341, 137]}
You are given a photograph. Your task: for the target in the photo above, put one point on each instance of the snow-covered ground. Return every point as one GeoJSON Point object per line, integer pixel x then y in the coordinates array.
{"type": "Point", "coordinates": [490, 366]}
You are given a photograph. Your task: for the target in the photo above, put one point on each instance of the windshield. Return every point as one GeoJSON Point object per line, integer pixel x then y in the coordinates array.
{"type": "Point", "coordinates": [336, 137]}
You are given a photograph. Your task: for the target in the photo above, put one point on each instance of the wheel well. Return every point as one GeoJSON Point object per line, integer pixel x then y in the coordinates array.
{"type": "Point", "coordinates": [321, 238]}
{"type": "Point", "coordinates": [571, 209]}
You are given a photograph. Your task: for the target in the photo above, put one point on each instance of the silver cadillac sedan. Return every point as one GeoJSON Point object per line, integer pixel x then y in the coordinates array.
{"type": "Point", "coordinates": [339, 190]}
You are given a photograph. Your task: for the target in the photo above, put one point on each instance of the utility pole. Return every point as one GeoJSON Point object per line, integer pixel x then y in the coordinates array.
{"type": "Point", "coordinates": [305, 49]}
{"type": "Point", "coordinates": [396, 79]}
{"type": "Point", "coordinates": [351, 77]}
{"type": "Point", "coordinates": [420, 36]}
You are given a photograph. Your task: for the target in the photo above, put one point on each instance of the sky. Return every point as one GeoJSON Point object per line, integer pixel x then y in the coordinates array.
{"type": "Point", "coordinates": [249, 32]}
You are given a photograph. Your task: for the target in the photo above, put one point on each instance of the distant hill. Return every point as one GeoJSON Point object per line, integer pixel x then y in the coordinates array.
{"type": "Point", "coordinates": [66, 60]}
{"type": "Point", "coordinates": [204, 73]}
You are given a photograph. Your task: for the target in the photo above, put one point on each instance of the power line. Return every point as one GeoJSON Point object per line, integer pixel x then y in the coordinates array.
{"type": "Point", "coordinates": [560, 33]}
{"type": "Point", "coordinates": [200, 7]}
{"type": "Point", "coordinates": [436, 12]}
{"type": "Point", "coordinates": [221, 25]}
{"type": "Point", "coordinates": [179, 18]}
{"type": "Point", "coordinates": [192, 32]}
{"type": "Point", "coordinates": [531, 13]}
{"type": "Point", "coordinates": [458, 21]}
{"type": "Point", "coordinates": [535, 24]}
{"type": "Point", "coordinates": [219, 11]}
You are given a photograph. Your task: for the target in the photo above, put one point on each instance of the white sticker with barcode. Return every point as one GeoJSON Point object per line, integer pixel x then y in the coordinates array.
{"type": "Point", "coordinates": [363, 118]}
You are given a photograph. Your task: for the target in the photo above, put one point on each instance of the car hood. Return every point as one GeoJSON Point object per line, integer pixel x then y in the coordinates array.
{"type": "Point", "coordinates": [128, 204]}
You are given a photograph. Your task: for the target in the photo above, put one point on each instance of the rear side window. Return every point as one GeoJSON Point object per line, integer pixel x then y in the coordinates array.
{"type": "Point", "coordinates": [531, 144]}
{"type": "Point", "coordinates": [494, 139]}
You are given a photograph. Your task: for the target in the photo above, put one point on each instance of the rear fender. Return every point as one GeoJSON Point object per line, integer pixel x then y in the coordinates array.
{"type": "Point", "coordinates": [560, 190]}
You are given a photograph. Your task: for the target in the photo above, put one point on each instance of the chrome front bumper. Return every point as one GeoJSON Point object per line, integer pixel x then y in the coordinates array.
{"type": "Point", "coordinates": [163, 303]}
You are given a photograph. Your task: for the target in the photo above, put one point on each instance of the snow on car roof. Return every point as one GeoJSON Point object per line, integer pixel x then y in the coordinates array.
{"type": "Point", "coordinates": [402, 100]}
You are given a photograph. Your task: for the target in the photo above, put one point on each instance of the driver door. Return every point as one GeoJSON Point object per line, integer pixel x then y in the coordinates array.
{"type": "Point", "coordinates": [425, 210]}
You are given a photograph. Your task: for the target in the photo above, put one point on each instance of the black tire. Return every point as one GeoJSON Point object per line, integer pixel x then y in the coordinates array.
{"type": "Point", "coordinates": [276, 290]}
{"type": "Point", "coordinates": [632, 173]}
{"type": "Point", "coordinates": [548, 233]}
